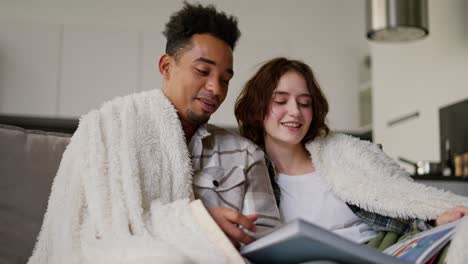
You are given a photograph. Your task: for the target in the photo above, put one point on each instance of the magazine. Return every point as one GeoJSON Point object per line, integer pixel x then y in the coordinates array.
{"type": "Point", "coordinates": [299, 241]}
{"type": "Point", "coordinates": [421, 247]}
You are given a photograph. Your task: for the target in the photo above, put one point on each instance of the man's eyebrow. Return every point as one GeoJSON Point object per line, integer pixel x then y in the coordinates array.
{"type": "Point", "coordinates": [205, 60]}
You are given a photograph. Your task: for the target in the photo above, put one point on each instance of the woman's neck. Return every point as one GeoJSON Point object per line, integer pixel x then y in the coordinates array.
{"type": "Point", "coordinates": [289, 159]}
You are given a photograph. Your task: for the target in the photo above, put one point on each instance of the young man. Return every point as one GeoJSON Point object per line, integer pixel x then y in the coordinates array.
{"type": "Point", "coordinates": [120, 190]}
{"type": "Point", "coordinates": [230, 176]}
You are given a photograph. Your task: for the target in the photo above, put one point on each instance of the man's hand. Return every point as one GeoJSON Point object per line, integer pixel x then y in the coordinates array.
{"type": "Point", "coordinates": [229, 220]}
{"type": "Point", "coordinates": [451, 215]}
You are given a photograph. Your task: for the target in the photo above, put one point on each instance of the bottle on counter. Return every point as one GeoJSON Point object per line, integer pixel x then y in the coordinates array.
{"type": "Point", "coordinates": [448, 167]}
{"type": "Point", "coordinates": [465, 164]}
{"type": "Point", "coordinates": [459, 166]}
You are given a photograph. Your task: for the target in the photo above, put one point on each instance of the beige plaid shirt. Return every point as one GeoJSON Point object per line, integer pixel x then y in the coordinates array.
{"type": "Point", "coordinates": [230, 171]}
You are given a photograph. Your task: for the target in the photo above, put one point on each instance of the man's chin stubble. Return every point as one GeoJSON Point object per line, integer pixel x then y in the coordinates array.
{"type": "Point", "coordinates": [199, 120]}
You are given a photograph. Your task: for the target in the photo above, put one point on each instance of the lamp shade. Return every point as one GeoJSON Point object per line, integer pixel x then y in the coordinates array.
{"type": "Point", "coordinates": [397, 20]}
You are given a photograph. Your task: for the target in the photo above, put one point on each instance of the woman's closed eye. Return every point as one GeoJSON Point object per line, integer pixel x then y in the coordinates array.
{"type": "Point", "coordinates": [280, 102]}
{"type": "Point", "coordinates": [280, 99]}
{"type": "Point", "coordinates": [304, 101]}
{"type": "Point", "coordinates": [305, 105]}
{"type": "Point", "coordinates": [300, 104]}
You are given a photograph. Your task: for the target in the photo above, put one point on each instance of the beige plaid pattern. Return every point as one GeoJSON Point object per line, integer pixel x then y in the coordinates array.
{"type": "Point", "coordinates": [230, 171]}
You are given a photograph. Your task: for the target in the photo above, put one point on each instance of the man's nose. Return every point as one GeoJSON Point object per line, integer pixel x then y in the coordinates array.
{"type": "Point", "coordinates": [214, 86]}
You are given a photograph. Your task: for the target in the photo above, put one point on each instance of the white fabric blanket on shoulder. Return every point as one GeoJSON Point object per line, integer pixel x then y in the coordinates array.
{"type": "Point", "coordinates": [122, 191]}
{"type": "Point", "coordinates": [359, 173]}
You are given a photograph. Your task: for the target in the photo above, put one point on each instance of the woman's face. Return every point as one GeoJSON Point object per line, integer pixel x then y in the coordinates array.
{"type": "Point", "coordinates": [290, 113]}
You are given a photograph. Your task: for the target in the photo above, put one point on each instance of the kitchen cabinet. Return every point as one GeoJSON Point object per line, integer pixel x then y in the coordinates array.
{"type": "Point", "coordinates": [29, 68]}
{"type": "Point", "coordinates": [420, 76]}
{"type": "Point", "coordinates": [152, 48]}
{"type": "Point", "coordinates": [98, 63]}
{"type": "Point", "coordinates": [56, 70]}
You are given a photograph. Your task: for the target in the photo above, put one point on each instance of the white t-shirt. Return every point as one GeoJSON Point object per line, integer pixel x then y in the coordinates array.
{"type": "Point", "coordinates": [307, 197]}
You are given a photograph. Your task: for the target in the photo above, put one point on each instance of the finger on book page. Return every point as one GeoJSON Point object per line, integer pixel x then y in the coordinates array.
{"type": "Point", "coordinates": [229, 221]}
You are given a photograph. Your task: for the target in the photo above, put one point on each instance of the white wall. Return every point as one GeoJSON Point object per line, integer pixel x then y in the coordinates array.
{"type": "Point", "coordinates": [421, 76]}
{"type": "Point", "coordinates": [95, 50]}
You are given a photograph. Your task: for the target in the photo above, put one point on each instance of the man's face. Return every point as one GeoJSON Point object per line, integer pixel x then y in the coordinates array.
{"type": "Point", "coordinates": [197, 82]}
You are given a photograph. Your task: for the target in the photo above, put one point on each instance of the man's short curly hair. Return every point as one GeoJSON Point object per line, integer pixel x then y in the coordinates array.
{"type": "Point", "coordinates": [197, 19]}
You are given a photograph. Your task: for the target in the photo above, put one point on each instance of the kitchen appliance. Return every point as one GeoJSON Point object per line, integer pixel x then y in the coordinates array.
{"type": "Point", "coordinates": [424, 167]}
{"type": "Point", "coordinates": [453, 128]}
{"type": "Point", "coordinates": [397, 20]}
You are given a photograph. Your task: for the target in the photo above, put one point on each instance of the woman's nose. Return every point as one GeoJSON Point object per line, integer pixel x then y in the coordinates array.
{"type": "Point", "coordinates": [293, 109]}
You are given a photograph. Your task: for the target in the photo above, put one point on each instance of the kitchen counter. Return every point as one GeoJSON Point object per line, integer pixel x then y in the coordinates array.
{"type": "Point", "coordinates": [457, 185]}
{"type": "Point", "coordinates": [438, 177]}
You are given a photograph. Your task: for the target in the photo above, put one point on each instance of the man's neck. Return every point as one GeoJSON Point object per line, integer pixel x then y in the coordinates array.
{"type": "Point", "coordinates": [189, 129]}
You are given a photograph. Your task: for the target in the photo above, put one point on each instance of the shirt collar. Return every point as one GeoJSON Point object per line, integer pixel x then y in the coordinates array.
{"type": "Point", "coordinates": [197, 138]}
{"type": "Point", "coordinates": [202, 131]}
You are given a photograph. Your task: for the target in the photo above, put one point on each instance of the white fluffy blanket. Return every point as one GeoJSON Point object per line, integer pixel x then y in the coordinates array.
{"type": "Point", "coordinates": [360, 173]}
{"type": "Point", "coordinates": [122, 192]}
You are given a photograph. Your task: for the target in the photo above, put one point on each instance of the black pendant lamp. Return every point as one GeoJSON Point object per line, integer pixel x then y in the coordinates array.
{"type": "Point", "coordinates": [397, 20]}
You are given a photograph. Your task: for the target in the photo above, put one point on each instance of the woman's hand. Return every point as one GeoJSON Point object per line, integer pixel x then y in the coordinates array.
{"type": "Point", "coordinates": [451, 215]}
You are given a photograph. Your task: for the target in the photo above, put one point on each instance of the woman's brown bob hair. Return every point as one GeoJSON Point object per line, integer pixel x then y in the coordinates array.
{"type": "Point", "coordinates": [253, 103]}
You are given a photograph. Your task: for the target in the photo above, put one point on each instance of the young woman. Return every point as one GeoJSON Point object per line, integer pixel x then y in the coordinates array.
{"type": "Point", "coordinates": [333, 180]}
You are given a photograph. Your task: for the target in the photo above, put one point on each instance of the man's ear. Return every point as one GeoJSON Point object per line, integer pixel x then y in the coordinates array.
{"type": "Point", "coordinates": [164, 66]}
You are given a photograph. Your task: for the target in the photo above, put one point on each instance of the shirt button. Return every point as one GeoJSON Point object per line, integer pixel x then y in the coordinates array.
{"type": "Point", "coordinates": [215, 183]}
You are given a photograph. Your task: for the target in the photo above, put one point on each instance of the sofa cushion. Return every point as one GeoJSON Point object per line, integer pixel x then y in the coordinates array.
{"type": "Point", "coordinates": [29, 160]}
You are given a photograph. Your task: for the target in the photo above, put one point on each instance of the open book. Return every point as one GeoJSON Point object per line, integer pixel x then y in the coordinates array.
{"type": "Point", "coordinates": [299, 241]}
{"type": "Point", "coordinates": [421, 247]}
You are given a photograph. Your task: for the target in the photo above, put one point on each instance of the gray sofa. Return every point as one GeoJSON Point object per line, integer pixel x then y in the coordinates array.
{"type": "Point", "coordinates": [29, 160]}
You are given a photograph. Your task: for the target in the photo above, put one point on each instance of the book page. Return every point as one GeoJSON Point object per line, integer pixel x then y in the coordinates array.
{"type": "Point", "coordinates": [422, 246]}
{"type": "Point", "coordinates": [299, 241]}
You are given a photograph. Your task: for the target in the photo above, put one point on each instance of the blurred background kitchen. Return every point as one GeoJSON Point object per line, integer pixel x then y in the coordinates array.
{"type": "Point", "coordinates": [61, 58]}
